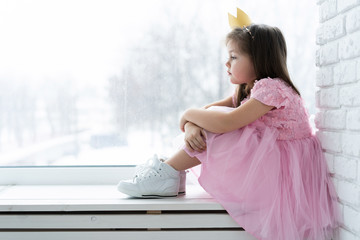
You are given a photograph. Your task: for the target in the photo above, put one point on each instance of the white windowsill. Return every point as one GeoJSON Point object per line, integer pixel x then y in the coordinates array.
{"type": "Point", "coordinates": [100, 212]}
{"type": "Point", "coordinates": [39, 198]}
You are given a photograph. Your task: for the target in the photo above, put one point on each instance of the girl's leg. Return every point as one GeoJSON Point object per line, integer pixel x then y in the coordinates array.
{"type": "Point", "coordinates": [182, 161]}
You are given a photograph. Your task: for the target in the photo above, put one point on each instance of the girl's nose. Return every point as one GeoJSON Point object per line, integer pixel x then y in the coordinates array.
{"type": "Point", "coordinates": [227, 64]}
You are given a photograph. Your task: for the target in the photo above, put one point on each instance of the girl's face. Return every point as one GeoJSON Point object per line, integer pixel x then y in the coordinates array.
{"type": "Point", "coordinates": [240, 68]}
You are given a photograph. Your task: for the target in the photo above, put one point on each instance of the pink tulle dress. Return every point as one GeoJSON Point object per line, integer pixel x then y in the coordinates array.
{"type": "Point", "coordinates": [271, 175]}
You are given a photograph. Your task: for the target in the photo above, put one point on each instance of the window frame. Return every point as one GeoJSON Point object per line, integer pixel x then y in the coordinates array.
{"type": "Point", "coordinates": [65, 175]}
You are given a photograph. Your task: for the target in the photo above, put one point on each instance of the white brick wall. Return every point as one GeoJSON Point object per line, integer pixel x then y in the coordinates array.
{"type": "Point", "coordinates": [338, 104]}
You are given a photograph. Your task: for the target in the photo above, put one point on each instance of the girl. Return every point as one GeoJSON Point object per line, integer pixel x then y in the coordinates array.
{"type": "Point", "coordinates": [259, 158]}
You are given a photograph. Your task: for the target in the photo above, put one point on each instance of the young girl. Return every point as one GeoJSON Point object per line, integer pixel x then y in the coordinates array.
{"type": "Point", "coordinates": [259, 158]}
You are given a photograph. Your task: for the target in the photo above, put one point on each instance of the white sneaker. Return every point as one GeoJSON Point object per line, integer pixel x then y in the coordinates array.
{"type": "Point", "coordinates": [157, 180]}
{"type": "Point", "coordinates": [140, 168]}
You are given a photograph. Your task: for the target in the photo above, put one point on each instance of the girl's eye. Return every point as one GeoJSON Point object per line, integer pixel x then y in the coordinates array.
{"type": "Point", "coordinates": [232, 57]}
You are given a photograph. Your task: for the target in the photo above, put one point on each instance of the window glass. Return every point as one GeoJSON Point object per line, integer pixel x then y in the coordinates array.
{"type": "Point", "coordinates": [104, 82]}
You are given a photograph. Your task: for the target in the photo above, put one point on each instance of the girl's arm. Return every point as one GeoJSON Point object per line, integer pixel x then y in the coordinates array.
{"type": "Point", "coordinates": [221, 122]}
{"type": "Point", "coordinates": [225, 102]}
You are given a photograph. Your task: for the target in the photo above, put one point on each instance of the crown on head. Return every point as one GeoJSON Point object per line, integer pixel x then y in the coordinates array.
{"type": "Point", "coordinates": [241, 19]}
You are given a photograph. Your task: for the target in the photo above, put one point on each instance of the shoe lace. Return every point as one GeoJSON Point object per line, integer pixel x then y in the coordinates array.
{"type": "Point", "coordinates": [142, 169]}
{"type": "Point", "coordinates": [139, 168]}
{"type": "Point", "coordinates": [145, 173]}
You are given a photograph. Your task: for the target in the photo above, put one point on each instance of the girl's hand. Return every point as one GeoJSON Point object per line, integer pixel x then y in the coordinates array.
{"type": "Point", "coordinates": [194, 137]}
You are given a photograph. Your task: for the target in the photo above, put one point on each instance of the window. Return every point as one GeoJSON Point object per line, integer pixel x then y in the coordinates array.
{"type": "Point", "coordinates": [103, 83]}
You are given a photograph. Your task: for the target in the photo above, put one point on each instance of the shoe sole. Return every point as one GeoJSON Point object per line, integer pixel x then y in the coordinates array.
{"type": "Point", "coordinates": [157, 196]}
{"type": "Point", "coordinates": [134, 194]}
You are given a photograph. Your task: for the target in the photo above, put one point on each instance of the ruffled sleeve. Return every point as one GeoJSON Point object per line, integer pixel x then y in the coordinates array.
{"type": "Point", "coordinates": [272, 92]}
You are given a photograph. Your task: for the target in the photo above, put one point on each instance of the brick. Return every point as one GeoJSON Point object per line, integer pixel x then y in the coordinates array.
{"type": "Point", "coordinates": [335, 119]}
{"type": "Point", "coordinates": [319, 120]}
{"type": "Point", "coordinates": [350, 144]}
{"type": "Point", "coordinates": [320, 36]}
{"type": "Point", "coordinates": [327, 10]}
{"type": "Point", "coordinates": [341, 209]}
{"type": "Point", "coordinates": [336, 184]}
{"type": "Point", "coordinates": [343, 5]}
{"type": "Point", "coordinates": [317, 98]}
{"type": "Point", "coordinates": [345, 167]}
{"type": "Point", "coordinates": [324, 77]}
{"type": "Point", "coordinates": [353, 119]}
{"type": "Point", "coordinates": [349, 95]}
{"type": "Point", "coordinates": [345, 72]}
{"type": "Point", "coordinates": [358, 174]}
{"type": "Point", "coordinates": [349, 192]}
{"type": "Point", "coordinates": [353, 20]}
{"type": "Point", "coordinates": [318, 2]}
{"type": "Point", "coordinates": [331, 30]}
{"type": "Point", "coordinates": [329, 97]}
{"type": "Point", "coordinates": [330, 161]}
{"type": "Point", "coordinates": [328, 54]}
{"type": "Point", "coordinates": [351, 219]}
{"type": "Point", "coordinates": [349, 47]}
{"type": "Point", "coordinates": [346, 235]}
{"type": "Point", "coordinates": [317, 57]}
{"type": "Point", "coordinates": [330, 141]}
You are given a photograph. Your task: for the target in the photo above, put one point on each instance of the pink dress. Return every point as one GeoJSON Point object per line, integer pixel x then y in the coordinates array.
{"type": "Point", "coordinates": [271, 175]}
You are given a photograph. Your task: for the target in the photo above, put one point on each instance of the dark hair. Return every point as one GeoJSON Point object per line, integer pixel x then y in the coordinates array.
{"type": "Point", "coordinates": [266, 47]}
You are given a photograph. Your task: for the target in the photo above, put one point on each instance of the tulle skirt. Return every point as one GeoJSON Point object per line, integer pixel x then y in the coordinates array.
{"type": "Point", "coordinates": [274, 189]}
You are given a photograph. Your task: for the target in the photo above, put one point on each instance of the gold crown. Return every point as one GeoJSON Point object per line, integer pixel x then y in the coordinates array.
{"type": "Point", "coordinates": [241, 19]}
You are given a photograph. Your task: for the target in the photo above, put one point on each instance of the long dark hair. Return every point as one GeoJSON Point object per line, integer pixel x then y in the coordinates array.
{"type": "Point", "coordinates": [266, 47]}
